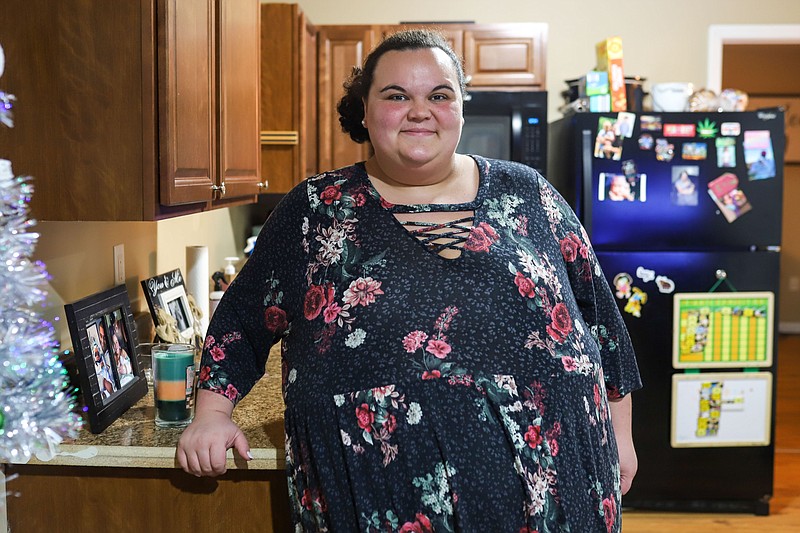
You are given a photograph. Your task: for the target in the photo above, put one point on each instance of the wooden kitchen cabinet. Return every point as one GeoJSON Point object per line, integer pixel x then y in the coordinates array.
{"type": "Point", "coordinates": [499, 57]}
{"type": "Point", "coordinates": [505, 56]}
{"type": "Point", "coordinates": [288, 112]}
{"type": "Point", "coordinates": [133, 109]}
{"type": "Point", "coordinates": [509, 56]}
{"type": "Point", "coordinates": [340, 49]}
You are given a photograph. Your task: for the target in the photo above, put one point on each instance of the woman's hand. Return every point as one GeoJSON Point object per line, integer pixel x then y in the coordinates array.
{"type": "Point", "coordinates": [621, 420]}
{"type": "Point", "coordinates": [203, 445]}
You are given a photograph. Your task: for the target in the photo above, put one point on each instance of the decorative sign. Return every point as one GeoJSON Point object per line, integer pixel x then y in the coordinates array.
{"type": "Point", "coordinates": [168, 292]}
{"type": "Point", "coordinates": [720, 330]}
{"type": "Point", "coordinates": [721, 409]}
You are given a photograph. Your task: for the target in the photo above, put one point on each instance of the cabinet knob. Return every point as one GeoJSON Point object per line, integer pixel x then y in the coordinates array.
{"type": "Point", "coordinates": [263, 185]}
{"type": "Point", "coordinates": [220, 189]}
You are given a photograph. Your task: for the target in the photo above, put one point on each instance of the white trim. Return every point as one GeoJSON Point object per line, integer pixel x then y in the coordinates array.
{"type": "Point", "coordinates": [789, 328]}
{"type": "Point", "coordinates": [719, 35]}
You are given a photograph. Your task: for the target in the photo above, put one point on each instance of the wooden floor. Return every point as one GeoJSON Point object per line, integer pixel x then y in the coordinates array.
{"type": "Point", "coordinates": [785, 505]}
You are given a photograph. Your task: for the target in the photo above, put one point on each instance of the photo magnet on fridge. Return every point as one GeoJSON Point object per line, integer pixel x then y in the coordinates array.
{"type": "Point", "coordinates": [621, 188]}
{"type": "Point", "coordinates": [726, 152]}
{"type": "Point", "coordinates": [608, 142]}
{"type": "Point", "coordinates": [625, 123]}
{"type": "Point", "coordinates": [758, 155]}
{"type": "Point", "coordinates": [684, 185]}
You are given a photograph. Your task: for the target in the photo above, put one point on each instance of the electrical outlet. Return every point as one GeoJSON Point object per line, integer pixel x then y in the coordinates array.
{"type": "Point", "coordinates": [119, 264]}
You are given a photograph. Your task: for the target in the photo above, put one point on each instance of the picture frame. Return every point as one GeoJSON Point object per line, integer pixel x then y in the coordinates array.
{"type": "Point", "coordinates": [105, 343]}
{"type": "Point", "coordinates": [711, 409]}
{"type": "Point", "coordinates": [723, 330]}
{"type": "Point", "coordinates": [167, 292]}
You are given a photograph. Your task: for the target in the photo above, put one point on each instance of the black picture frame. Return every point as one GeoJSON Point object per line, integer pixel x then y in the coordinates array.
{"type": "Point", "coordinates": [167, 291]}
{"type": "Point", "coordinates": [110, 384]}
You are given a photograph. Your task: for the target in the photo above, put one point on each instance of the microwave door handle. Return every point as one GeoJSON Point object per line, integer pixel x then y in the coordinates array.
{"type": "Point", "coordinates": [516, 135]}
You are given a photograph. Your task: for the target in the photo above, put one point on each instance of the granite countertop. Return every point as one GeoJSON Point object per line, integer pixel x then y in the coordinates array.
{"type": "Point", "coordinates": [134, 441]}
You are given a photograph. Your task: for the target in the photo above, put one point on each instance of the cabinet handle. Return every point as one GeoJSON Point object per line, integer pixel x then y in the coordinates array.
{"type": "Point", "coordinates": [220, 189]}
{"type": "Point", "coordinates": [263, 185]}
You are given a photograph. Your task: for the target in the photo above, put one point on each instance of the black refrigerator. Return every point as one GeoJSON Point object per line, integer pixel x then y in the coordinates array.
{"type": "Point", "coordinates": [684, 213]}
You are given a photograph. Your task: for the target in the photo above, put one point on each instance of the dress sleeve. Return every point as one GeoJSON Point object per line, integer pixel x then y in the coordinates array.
{"type": "Point", "coordinates": [258, 307]}
{"type": "Point", "coordinates": [593, 295]}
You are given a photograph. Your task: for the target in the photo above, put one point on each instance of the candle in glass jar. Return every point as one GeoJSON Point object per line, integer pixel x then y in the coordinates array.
{"type": "Point", "coordinates": [173, 378]}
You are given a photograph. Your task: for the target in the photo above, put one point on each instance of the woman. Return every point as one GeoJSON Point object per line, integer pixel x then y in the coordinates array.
{"type": "Point", "coordinates": [449, 342]}
{"type": "Point", "coordinates": [122, 359]}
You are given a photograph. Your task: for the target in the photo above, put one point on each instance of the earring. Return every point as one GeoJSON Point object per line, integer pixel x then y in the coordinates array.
{"type": "Point", "coordinates": [363, 123]}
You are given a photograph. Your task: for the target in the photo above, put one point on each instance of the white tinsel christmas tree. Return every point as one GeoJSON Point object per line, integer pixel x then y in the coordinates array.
{"type": "Point", "coordinates": [36, 405]}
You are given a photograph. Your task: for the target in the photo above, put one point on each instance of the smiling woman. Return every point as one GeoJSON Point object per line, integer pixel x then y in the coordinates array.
{"type": "Point", "coordinates": [453, 358]}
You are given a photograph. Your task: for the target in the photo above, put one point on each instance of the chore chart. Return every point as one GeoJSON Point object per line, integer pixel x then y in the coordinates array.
{"type": "Point", "coordinates": [719, 330]}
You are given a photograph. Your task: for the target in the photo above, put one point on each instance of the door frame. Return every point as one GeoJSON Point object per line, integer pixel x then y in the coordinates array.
{"type": "Point", "coordinates": [721, 34]}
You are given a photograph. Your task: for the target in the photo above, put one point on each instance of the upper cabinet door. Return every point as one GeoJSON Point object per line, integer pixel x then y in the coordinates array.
{"type": "Point", "coordinates": [340, 49]}
{"type": "Point", "coordinates": [506, 55]}
{"type": "Point", "coordinates": [238, 94]}
{"type": "Point", "coordinates": [186, 102]}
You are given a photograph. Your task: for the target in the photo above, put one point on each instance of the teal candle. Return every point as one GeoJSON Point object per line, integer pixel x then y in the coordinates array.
{"type": "Point", "coordinates": [173, 379]}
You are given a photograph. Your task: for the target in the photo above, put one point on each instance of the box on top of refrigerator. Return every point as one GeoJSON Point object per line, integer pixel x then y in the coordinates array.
{"type": "Point", "coordinates": [609, 59]}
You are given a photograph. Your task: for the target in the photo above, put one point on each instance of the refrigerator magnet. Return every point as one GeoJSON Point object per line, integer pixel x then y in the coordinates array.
{"type": "Point", "coordinates": [608, 141]}
{"type": "Point", "coordinates": [645, 274]}
{"type": "Point", "coordinates": [680, 130]}
{"type": "Point", "coordinates": [758, 155]}
{"type": "Point", "coordinates": [622, 285]}
{"type": "Point", "coordinates": [694, 151]}
{"type": "Point", "coordinates": [621, 188]}
{"type": "Point", "coordinates": [730, 200]}
{"type": "Point", "coordinates": [650, 123]}
{"type": "Point", "coordinates": [730, 129]}
{"type": "Point", "coordinates": [637, 299]}
{"type": "Point", "coordinates": [706, 129]}
{"type": "Point", "coordinates": [646, 141]}
{"type": "Point", "coordinates": [726, 152]}
{"type": "Point", "coordinates": [629, 168]}
{"type": "Point", "coordinates": [625, 124]}
{"type": "Point", "coordinates": [665, 285]}
{"type": "Point", "coordinates": [684, 185]}
{"type": "Point", "coordinates": [665, 150]}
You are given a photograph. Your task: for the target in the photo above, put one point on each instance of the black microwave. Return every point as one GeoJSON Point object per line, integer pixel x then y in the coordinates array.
{"type": "Point", "coordinates": [509, 125]}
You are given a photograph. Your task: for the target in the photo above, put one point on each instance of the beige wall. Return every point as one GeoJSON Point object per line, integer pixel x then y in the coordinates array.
{"type": "Point", "coordinates": [79, 255]}
{"type": "Point", "coordinates": [667, 44]}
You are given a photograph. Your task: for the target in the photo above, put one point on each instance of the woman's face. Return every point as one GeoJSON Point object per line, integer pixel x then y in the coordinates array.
{"type": "Point", "coordinates": [414, 108]}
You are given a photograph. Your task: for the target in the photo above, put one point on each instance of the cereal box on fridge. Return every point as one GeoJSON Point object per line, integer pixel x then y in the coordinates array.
{"type": "Point", "coordinates": [609, 58]}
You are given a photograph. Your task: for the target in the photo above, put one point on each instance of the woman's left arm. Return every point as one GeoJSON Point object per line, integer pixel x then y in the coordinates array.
{"type": "Point", "coordinates": [621, 420]}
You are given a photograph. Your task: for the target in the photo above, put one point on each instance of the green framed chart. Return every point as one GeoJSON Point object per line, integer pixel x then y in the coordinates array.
{"type": "Point", "coordinates": [722, 330]}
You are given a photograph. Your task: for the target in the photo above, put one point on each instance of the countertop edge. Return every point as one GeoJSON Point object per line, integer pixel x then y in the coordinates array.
{"type": "Point", "coordinates": [147, 457]}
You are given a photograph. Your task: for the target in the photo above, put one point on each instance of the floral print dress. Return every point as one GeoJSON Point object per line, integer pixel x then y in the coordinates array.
{"type": "Point", "coordinates": [430, 394]}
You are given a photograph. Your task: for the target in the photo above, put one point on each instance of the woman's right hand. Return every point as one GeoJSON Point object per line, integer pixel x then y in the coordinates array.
{"type": "Point", "coordinates": [204, 443]}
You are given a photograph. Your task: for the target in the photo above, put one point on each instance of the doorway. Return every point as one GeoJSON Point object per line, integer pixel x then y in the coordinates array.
{"type": "Point", "coordinates": [762, 60]}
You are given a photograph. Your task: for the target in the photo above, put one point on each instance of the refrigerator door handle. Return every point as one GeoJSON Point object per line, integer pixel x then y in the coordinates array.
{"type": "Point", "coordinates": [587, 153]}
